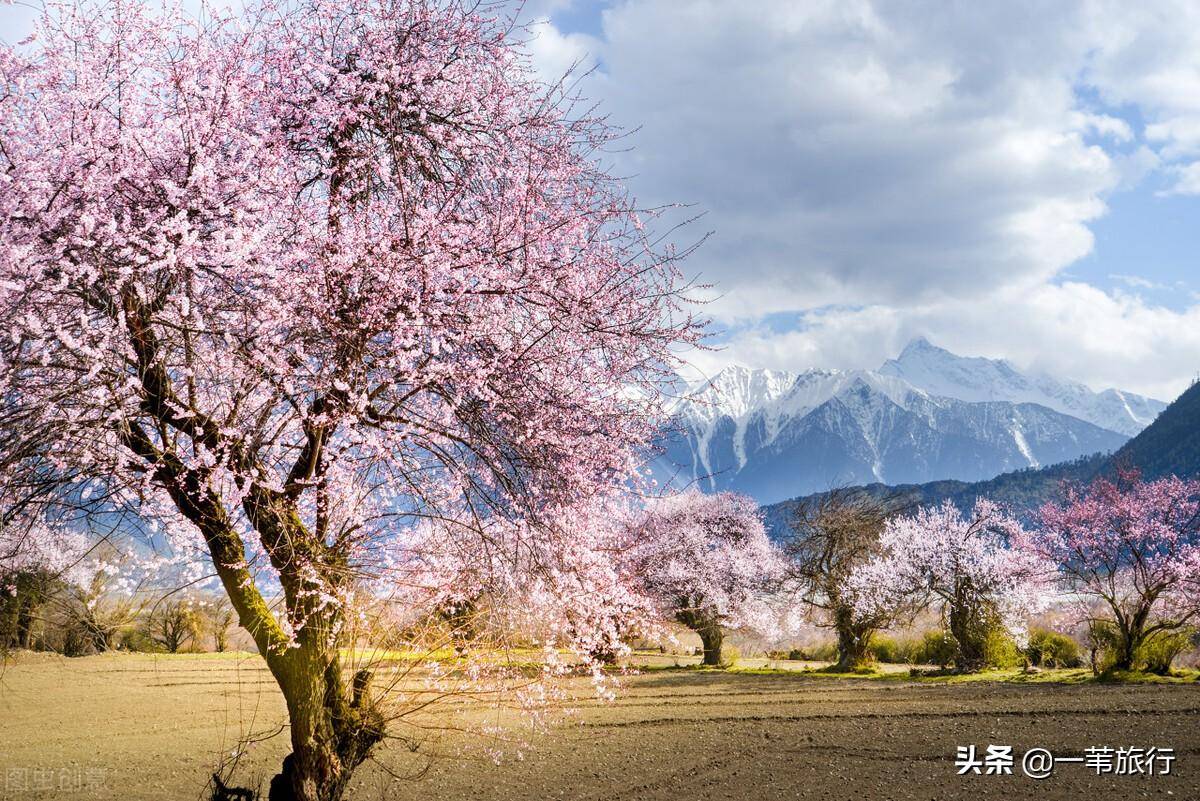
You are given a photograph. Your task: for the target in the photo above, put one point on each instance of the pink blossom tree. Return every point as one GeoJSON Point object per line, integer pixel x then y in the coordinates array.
{"type": "Point", "coordinates": [275, 289]}
{"type": "Point", "coordinates": [969, 564]}
{"type": "Point", "coordinates": [473, 586]}
{"type": "Point", "coordinates": [1132, 547]}
{"type": "Point", "coordinates": [36, 558]}
{"type": "Point", "coordinates": [706, 561]}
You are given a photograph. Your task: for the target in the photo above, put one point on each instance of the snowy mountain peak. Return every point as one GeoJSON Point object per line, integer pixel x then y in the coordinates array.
{"type": "Point", "coordinates": [736, 391]}
{"type": "Point", "coordinates": [976, 379]}
{"type": "Point", "coordinates": [927, 414]}
{"type": "Point", "coordinates": [916, 347]}
{"type": "Point", "coordinates": [940, 372]}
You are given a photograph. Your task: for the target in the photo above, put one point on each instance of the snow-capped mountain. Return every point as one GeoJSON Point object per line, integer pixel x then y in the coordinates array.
{"type": "Point", "coordinates": [940, 372]}
{"type": "Point", "coordinates": [926, 415]}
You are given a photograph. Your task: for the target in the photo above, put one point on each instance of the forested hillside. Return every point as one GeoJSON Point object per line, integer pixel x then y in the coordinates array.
{"type": "Point", "coordinates": [1171, 444]}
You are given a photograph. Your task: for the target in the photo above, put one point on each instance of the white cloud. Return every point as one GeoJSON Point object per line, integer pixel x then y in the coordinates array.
{"type": "Point", "coordinates": [1074, 330]}
{"type": "Point", "coordinates": [849, 154]}
{"type": "Point", "coordinates": [1148, 55]}
{"type": "Point", "coordinates": [556, 54]}
{"type": "Point", "coordinates": [1138, 282]}
{"type": "Point", "coordinates": [914, 168]}
{"type": "Point", "coordinates": [1187, 179]}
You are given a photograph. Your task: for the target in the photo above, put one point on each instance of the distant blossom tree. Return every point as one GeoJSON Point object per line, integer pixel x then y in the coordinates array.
{"type": "Point", "coordinates": [36, 559]}
{"type": "Point", "coordinates": [458, 589]}
{"type": "Point", "coordinates": [706, 561]}
{"type": "Point", "coordinates": [98, 611]}
{"type": "Point", "coordinates": [1133, 547]}
{"type": "Point", "coordinates": [971, 565]}
{"type": "Point", "coordinates": [829, 539]}
{"type": "Point", "coordinates": [276, 288]}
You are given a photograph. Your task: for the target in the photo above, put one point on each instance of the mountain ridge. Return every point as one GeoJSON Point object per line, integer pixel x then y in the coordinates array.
{"type": "Point", "coordinates": [1168, 446]}
{"type": "Point", "coordinates": [775, 434]}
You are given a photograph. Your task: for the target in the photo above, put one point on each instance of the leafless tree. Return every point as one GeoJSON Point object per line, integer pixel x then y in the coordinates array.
{"type": "Point", "coordinates": [219, 617]}
{"type": "Point", "coordinates": [830, 535]}
{"type": "Point", "coordinates": [173, 623]}
{"type": "Point", "coordinates": [95, 615]}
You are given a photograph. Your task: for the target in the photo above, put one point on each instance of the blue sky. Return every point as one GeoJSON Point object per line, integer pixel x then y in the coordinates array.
{"type": "Point", "coordinates": [1147, 237]}
{"type": "Point", "coordinates": [1010, 179]}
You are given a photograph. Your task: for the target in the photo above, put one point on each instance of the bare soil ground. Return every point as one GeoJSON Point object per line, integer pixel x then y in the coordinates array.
{"type": "Point", "coordinates": [147, 727]}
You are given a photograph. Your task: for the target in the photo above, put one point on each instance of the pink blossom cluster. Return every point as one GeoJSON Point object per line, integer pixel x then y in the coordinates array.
{"type": "Point", "coordinates": [39, 546]}
{"type": "Point", "coordinates": [339, 266]}
{"type": "Point", "coordinates": [951, 558]}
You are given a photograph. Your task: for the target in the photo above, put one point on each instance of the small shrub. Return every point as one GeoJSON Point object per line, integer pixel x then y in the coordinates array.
{"type": "Point", "coordinates": [138, 641]}
{"type": "Point", "coordinates": [75, 641]}
{"type": "Point", "coordinates": [1157, 653]}
{"type": "Point", "coordinates": [825, 652]}
{"type": "Point", "coordinates": [936, 648]}
{"type": "Point", "coordinates": [999, 650]}
{"type": "Point", "coordinates": [1052, 649]}
{"type": "Point", "coordinates": [1103, 642]}
{"type": "Point", "coordinates": [730, 654]}
{"type": "Point", "coordinates": [885, 649]}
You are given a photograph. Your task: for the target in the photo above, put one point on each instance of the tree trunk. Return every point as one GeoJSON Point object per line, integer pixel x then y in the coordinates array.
{"type": "Point", "coordinates": [1127, 648]}
{"type": "Point", "coordinates": [26, 614]}
{"type": "Point", "coordinates": [707, 623]}
{"type": "Point", "coordinates": [970, 632]}
{"type": "Point", "coordinates": [460, 617]}
{"type": "Point", "coordinates": [710, 640]}
{"type": "Point", "coordinates": [332, 729]}
{"type": "Point", "coordinates": [853, 643]}
{"type": "Point", "coordinates": [1132, 631]}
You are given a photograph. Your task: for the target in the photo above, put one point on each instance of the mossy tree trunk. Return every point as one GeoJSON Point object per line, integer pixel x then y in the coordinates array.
{"type": "Point", "coordinates": [706, 622]}
{"type": "Point", "coordinates": [711, 638]}
{"type": "Point", "coordinates": [333, 726]}
{"type": "Point", "coordinates": [970, 622]}
{"type": "Point", "coordinates": [1131, 633]}
{"type": "Point", "coordinates": [853, 640]}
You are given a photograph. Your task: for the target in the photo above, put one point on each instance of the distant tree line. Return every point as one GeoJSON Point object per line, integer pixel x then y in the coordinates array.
{"type": "Point", "coordinates": [40, 610]}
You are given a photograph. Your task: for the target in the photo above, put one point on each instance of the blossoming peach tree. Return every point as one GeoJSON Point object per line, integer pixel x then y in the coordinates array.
{"type": "Point", "coordinates": [706, 561]}
{"type": "Point", "coordinates": [276, 288]}
{"type": "Point", "coordinates": [1131, 548]}
{"type": "Point", "coordinates": [972, 565]}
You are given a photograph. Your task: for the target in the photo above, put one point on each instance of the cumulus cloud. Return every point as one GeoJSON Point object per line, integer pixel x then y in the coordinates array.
{"type": "Point", "coordinates": [1187, 179]}
{"type": "Point", "coordinates": [1073, 330]}
{"type": "Point", "coordinates": [558, 56]}
{"type": "Point", "coordinates": [887, 169]}
{"type": "Point", "coordinates": [849, 153]}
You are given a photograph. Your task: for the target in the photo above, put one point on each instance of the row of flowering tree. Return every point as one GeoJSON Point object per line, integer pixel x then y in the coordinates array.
{"type": "Point", "coordinates": [1122, 552]}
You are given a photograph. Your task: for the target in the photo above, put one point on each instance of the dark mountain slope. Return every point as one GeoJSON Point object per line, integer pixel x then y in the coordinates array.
{"type": "Point", "coordinates": [1171, 444]}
